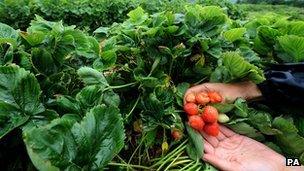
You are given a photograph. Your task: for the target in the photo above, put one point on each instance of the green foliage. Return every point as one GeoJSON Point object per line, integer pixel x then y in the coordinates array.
{"type": "Point", "coordinates": [16, 13]}
{"type": "Point", "coordinates": [19, 98]}
{"type": "Point", "coordinates": [46, 93]}
{"type": "Point", "coordinates": [91, 14]}
{"type": "Point", "coordinates": [75, 145]}
{"type": "Point", "coordinates": [252, 10]}
{"type": "Point", "coordinates": [195, 147]}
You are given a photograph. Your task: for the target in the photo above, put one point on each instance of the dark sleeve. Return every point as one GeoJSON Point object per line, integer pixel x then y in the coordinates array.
{"type": "Point", "coordinates": [284, 85]}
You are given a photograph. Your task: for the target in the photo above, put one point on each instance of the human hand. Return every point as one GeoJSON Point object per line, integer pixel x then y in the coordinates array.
{"type": "Point", "coordinates": [229, 92]}
{"type": "Point", "coordinates": [233, 152]}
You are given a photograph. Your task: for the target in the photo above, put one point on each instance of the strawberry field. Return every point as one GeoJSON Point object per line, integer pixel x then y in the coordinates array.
{"type": "Point", "coordinates": [105, 90]}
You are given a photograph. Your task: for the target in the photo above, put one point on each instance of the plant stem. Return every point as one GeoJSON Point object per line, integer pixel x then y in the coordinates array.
{"type": "Point", "coordinates": [122, 160]}
{"type": "Point", "coordinates": [120, 86]}
{"type": "Point", "coordinates": [136, 150]}
{"type": "Point", "coordinates": [130, 165]}
{"type": "Point", "coordinates": [200, 81]}
{"type": "Point", "coordinates": [173, 162]}
{"type": "Point", "coordinates": [131, 111]}
{"type": "Point", "coordinates": [193, 162]}
{"type": "Point", "coordinates": [181, 162]}
{"type": "Point", "coordinates": [171, 66]}
{"type": "Point", "coordinates": [170, 154]}
{"type": "Point", "coordinates": [165, 161]}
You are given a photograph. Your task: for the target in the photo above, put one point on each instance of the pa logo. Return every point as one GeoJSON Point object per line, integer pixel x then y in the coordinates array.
{"type": "Point", "coordinates": [292, 162]}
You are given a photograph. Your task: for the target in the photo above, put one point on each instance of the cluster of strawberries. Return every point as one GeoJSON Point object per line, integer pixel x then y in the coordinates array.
{"type": "Point", "coordinates": [202, 116]}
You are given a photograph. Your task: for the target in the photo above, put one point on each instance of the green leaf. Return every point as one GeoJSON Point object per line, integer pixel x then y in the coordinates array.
{"type": "Point", "coordinates": [150, 137]}
{"type": "Point", "coordinates": [89, 144]}
{"type": "Point", "coordinates": [241, 108]}
{"type": "Point", "coordinates": [35, 38]}
{"type": "Point", "coordinates": [137, 16]}
{"type": "Point", "coordinates": [274, 147]}
{"type": "Point", "coordinates": [91, 76]}
{"type": "Point", "coordinates": [220, 74]}
{"type": "Point", "coordinates": [234, 34]}
{"type": "Point", "coordinates": [8, 35]}
{"type": "Point", "coordinates": [268, 35]}
{"type": "Point", "coordinates": [89, 96]}
{"type": "Point", "coordinates": [108, 58]}
{"type": "Point", "coordinates": [195, 148]}
{"type": "Point", "coordinates": [10, 118]}
{"type": "Point", "coordinates": [43, 61]}
{"type": "Point", "coordinates": [290, 48]}
{"type": "Point", "coordinates": [289, 140]}
{"type": "Point", "coordinates": [111, 99]}
{"type": "Point", "coordinates": [239, 68]}
{"type": "Point", "coordinates": [223, 107]}
{"type": "Point", "coordinates": [19, 98]}
{"type": "Point", "coordinates": [299, 122]}
{"type": "Point", "coordinates": [247, 130]}
{"type": "Point", "coordinates": [181, 89]}
{"type": "Point", "coordinates": [296, 28]}
{"type": "Point", "coordinates": [68, 104]}
{"type": "Point", "coordinates": [262, 121]}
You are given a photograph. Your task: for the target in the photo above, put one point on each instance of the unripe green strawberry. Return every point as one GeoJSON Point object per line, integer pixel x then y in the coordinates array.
{"type": "Point", "coordinates": [202, 98]}
{"type": "Point", "coordinates": [212, 129]}
{"type": "Point", "coordinates": [191, 109]}
{"type": "Point", "coordinates": [210, 114]}
{"type": "Point", "coordinates": [222, 118]}
{"type": "Point", "coordinates": [196, 122]}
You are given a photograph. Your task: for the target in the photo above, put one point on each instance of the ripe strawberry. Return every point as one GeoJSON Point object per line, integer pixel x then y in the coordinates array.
{"type": "Point", "coordinates": [215, 97]}
{"type": "Point", "coordinates": [212, 129]}
{"type": "Point", "coordinates": [176, 134]}
{"type": "Point", "coordinates": [196, 122]}
{"type": "Point", "coordinates": [191, 109]}
{"type": "Point", "coordinates": [202, 98]}
{"type": "Point", "coordinates": [210, 114]}
{"type": "Point", "coordinates": [190, 98]}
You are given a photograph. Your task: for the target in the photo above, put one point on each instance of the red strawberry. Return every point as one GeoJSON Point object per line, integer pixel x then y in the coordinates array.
{"type": "Point", "coordinates": [190, 98]}
{"type": "Point", "coordinates": [212, 129]}
{"type": "Point", "coordinates": [202, 98]}
{"type": "Point", "coordinates": [210, 114]}
{"type": "Point", "coordinates": [215, 97]}
{"type": "Point", "coordinates": [176, 134]}
{"type": "Point", "coordinates": [196, 122]}
{"type": "Point", "coordinates": [191, 109]}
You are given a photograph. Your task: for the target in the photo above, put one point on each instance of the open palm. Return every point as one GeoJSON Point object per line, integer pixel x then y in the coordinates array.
{"type": "Point", "coordinates": [233, 152]}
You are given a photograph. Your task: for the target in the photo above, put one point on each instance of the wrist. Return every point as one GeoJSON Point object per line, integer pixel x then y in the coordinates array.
{"type": "Point", "coordinates": [250, 91]}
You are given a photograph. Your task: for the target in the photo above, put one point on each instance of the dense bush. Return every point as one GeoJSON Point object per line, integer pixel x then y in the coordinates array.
{"type": "Point", "coordinates": [91, 14]}
{"type": "Point", "coordinates": [16, 13]}
{"type": "Point", "coordinates": [83, 13]}
{"type": "Point", "coordinates": [299, 3]}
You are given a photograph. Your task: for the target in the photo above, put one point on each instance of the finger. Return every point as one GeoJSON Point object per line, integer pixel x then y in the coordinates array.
{"type": "Point", "coordinates": [221, 136]}
{"type": "Point", "coordinates": [208, 147]}
{"type": "Point", "coordinates": [199, 88]}
{"type": "Point", "coordinates": [210, 139]}
{"type": "Point", "coordinates": [227, 132]}
{"type": "Point", "coordinates": [217, 162]}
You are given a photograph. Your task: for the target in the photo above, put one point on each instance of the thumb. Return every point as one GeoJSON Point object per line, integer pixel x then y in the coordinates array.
{"type": "Point", "coordinates": [217, 162]}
